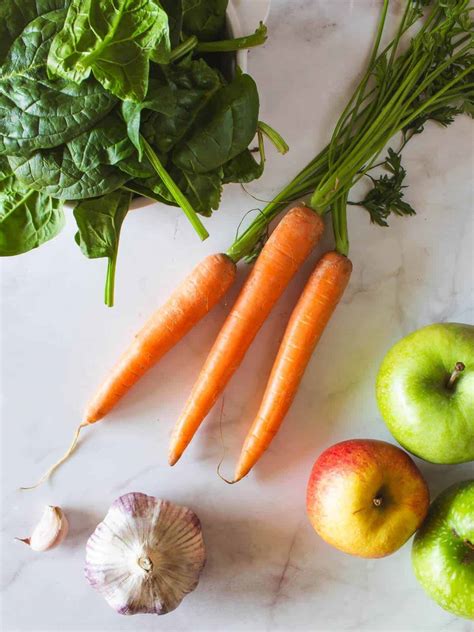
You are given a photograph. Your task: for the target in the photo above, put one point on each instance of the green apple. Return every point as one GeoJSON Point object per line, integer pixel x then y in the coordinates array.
{"type": "Point", "coordinates": [425, 392]}
{"type": "Point", "coordinates": [443, 550]}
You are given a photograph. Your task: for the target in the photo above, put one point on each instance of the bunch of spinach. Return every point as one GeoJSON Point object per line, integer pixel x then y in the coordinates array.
{"type": "Point", "coordinates": [103, 100]}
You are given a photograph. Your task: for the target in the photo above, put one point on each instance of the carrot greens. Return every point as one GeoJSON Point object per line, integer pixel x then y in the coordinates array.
{"type": "Point", "coordinates": [406, 84]}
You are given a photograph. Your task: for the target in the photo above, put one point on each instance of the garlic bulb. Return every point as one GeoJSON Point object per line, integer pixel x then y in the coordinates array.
{"type": "Point", "coordinates": [50, 530]}
{"type": "Point", "coordinates": [146, 555]}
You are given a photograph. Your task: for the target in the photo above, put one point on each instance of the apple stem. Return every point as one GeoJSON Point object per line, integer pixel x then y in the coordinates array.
{"type": "Point", "coordinates": [378, 500]}
{"type": "Point", "coordinates": [458, 369]}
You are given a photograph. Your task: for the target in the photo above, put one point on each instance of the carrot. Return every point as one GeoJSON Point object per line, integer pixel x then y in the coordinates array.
{"type": "Point", "coordinates": [186, 306]}
{"type": "Point", "coordinates": [284, 252]}
{"type": "Point", "coordinates": [307, 323]}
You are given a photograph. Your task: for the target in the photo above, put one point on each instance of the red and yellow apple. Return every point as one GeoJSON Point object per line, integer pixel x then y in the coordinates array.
{"type": "Point", "coordinates": [366, 497]}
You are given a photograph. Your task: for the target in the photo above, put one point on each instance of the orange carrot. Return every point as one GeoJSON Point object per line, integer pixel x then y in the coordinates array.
{"type": "Point", "coordinates": [284, 252]}
{"type": "Point", "coordinates": [307, 323]}
{"type": "Point", "coordinates": [187, 305]}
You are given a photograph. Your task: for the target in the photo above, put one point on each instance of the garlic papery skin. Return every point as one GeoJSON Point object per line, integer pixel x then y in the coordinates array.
{"type": "Point", "coordinates": [146, 555]}
{"type": "Point", "coordinates": [50, 530]}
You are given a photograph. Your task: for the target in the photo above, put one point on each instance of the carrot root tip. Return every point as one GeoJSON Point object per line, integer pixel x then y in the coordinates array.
{"type": "Point", "coordinates": [54, 467]}
{"type": "Point", "coordinates": [173, 459]}
{"type": "Point", "coordinates": [222, 477]}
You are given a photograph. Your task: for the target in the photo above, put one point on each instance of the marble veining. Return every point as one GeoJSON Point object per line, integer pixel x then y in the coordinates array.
{"type": "Point", "coordinates": [266, 569]}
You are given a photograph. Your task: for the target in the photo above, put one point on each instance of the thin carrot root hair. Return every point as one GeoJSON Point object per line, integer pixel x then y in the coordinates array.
{"type": "Point", "coordinates": [223, 478]}
{"type": "Point", "coordinates": [224, 450]}
{"type": "Point", "coordinates": [64, 458]}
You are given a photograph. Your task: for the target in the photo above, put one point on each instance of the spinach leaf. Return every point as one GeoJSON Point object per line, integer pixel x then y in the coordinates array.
{"type": "Point", "coordinates": [174, 9]}
{"type": "Point", "coordinates": [36, 112]}
{"type": "Point", "coordinates": [160, 98]}
{"type": "Point", "coordinates": [82, 168]}
{"type": "Point", "coordinates": [28, 218]}
{"type": "Point", "coordinates": [135, 168]}
{"type": "Point", "coordinates": [6, 174]}
{"type": "Point", "coordinates": [202, 190]}
{"type": "Point", "coordinates": [224, 130]}
{"type": "Point", "coordinates": [99, 222]}
{"type": "Point", "coordinates": [16, 14]}
{"type": "Point", "coordinates": [204, 18]}
{"type": "Point", "coordinates": [55, 174]}
{"type": "Point", "coordinates": [192, 83]}
{"type": "Point", "coordinates": [138, 187]}
{"type": "Point", "coordinates": [113, 39]}
{"type": "Point", "coordinates": [243, 168]}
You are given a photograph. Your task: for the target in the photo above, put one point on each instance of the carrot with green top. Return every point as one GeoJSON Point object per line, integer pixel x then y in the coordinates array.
{"type": "Point", "coordinates": [282, 256]}
{"type": "Point", "coordinates": [307, 323]}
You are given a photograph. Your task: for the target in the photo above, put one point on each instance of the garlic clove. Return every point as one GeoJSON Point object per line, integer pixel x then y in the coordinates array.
{"type": "Point", "coordinates": [146, 555]}
{"type": "Point", "coordinates": [50, 530]}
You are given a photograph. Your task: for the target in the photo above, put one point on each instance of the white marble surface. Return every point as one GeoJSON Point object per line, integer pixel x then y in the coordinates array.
{"type": "Point", "coordinates": [267, 570]}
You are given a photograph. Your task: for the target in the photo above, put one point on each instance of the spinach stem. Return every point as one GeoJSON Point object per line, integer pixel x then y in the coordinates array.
{"type": "Point", "coordinates": [274, 137]}
{"type": "Point", "coordinates": [184, 48]}
{"type": "Point", "coordinates": [238, 43]}
{"type": "Point", "coordinates": [223, 46]}
{"type": "Point", "coordinates": [175, 191]}
{"type": "Point", "coordinates": [110, 281]}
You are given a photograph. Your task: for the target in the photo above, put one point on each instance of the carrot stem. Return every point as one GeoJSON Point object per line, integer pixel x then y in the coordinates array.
{"type": "Point", "coordinates": [431, 73]}
{"type": "Point", "coordinates": [339, 223]}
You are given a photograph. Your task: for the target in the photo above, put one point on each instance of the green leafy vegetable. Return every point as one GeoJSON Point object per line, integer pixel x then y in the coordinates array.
{"type": "Point", "coordinates": [429, 78]}
{"type": "Point", "coordinates": [98, 96]}
{"type": "Point", "coordinates": [99, 222]}
{"type": "Point", "coordinates": [136, 168]}
{"type": "Point", "coordinates": [274, 137]}
{"type": "Point", "coordinates": [204, 18]}
{"type": "Point", "coordinates": [243, 168]}
{"type": "Point", "coordinates": [174, 9]}
{"type": "Point", "coordinates": [113, 39]}
{"type": "Point", "coordinates": [81, 168]}
{"type": "Point", "coordinates": [174, 190]}
{"type": "Point", "coordinates": [28, 218]}
{"type": "Point", "coordinates": [202, 190]}
{"type": "Point", "coordinates": [193, 83]}
{"type": "Point", "coordinates": [145, 188]}
{"type": "Point", "coordinates": [160, 98]}
{"type": "Point", "coordinates": [386, 195]}
{"type": "Point", "coordinates": [224, 130]}
{"type": "Point", "coordinates": [16, 14]}
{"type": "Point", "coordinates": [36, 112]}
{"type": "Point", "coordinates": [237, 43]}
